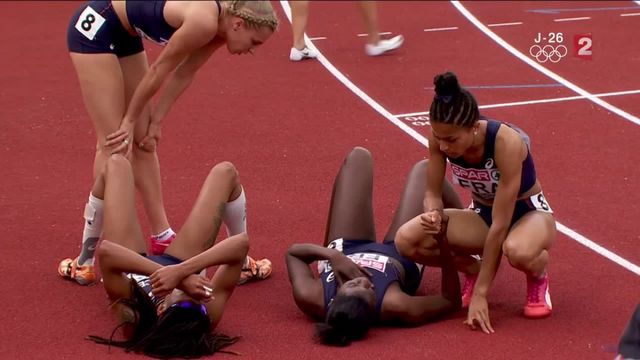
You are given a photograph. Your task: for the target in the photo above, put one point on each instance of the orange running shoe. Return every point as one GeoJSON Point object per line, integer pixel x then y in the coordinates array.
{"type": "Point", "coordinates": [538, 298]}
{"type": "Point", "coordinates": [83, 275]}
{"type": "Point", "coordinates": [254, 270]}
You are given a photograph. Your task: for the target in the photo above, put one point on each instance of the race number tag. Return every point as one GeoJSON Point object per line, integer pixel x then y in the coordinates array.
{"type": "Point", "coordinates": [372, 261]}
{"type": "Point", "coordinates": [540, 203]}
{"type": "Point", "coordinates": [89, 23]}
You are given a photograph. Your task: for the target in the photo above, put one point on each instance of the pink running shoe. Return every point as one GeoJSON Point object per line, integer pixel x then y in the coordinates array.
{"type": "Point", "coordinates": [159, 247]}
{"type": "Point", "coordinates": [538, 298]}
{"type": "Point", "coordinates": [467, 289]}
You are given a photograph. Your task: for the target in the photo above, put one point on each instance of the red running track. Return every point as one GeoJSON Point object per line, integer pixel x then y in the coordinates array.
{"type": "Point", "coordinates": [287, 128]}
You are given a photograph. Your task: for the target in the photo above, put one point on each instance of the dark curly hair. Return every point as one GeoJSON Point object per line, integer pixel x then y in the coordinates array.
{"type": "Point", "coordinates": [348, 318]}
{"type": "Point", "coordinates": [179, 332]}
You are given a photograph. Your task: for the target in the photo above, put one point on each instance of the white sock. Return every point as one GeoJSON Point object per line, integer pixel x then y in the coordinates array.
{"type": "Point", "coordinates": [235, 215]}
{"type": "Point", "coordinates": [164, 235]}
{"type": "Point", "coordinates": [93, 216]}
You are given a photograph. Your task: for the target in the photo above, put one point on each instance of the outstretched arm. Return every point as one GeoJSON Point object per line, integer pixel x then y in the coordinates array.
{"type": "Point", "coordinates": [435, 176]}
{"type": "Point", "coordinates": [230, 251]}
{"type": "Point", "coordinates": [416, 310]}
{"type": "Point", "coordinates": [307, 289]}
{"type": "Point", "coordinates": [509, 154]}
{"type": "Point", "coordinates": [431, 219]}
{"type": "Point", "coordinates": [178, 83]}
{"type": "Point", "coordinates": [115, 260]}
{"type": "Point", "coordinates": [198, 29]}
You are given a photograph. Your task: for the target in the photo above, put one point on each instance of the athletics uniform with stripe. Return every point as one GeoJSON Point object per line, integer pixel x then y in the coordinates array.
{"type": "Point", "coordinates": [145, 283]}
{"type": "Point", "coordinates": [96, 29]}
{"type": "Point", "coordinates": [482, 178]}
{"type": "Point", "coordinates": [381, 259]}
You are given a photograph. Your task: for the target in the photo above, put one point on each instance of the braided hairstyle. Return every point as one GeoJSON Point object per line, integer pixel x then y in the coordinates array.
{"type": "Point", "coordinates": [255, 13]}
{"type": "Point", "coordinates": [453, 104]}
{"type": "Point", "coordinates": [178, 332]}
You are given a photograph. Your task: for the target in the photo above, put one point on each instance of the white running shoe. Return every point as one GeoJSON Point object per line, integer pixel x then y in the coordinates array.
{"type": "Point", "coordinates": [306, 53]}
{"type": "Point", "coordinates": [384, 46]}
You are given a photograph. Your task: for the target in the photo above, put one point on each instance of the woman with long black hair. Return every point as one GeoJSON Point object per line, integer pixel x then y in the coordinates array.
{"type": "Point", "coordinates": [166, 304]}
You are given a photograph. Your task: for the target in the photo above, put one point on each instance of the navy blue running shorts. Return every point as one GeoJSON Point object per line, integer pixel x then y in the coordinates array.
{"type": "Point", "coordinates": [96, 29]}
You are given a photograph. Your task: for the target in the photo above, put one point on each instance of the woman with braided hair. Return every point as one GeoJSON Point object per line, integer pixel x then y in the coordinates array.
{"type": "Point", "coordinates": [167, 305]}
{"type": "Point", "coordinates": [509, 213]}
{"type": "Point", "coordinates": [105, 44]}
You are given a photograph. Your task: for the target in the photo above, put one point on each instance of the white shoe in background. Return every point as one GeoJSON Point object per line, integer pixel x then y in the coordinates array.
{"type": "Point", "coordinates": [384, 46]}
{"type": "Point", "coordinates": [306, 53]}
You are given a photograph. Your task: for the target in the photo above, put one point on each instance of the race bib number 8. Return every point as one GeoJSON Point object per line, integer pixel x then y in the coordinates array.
{"type": "Point", "coordinates": [540, 203]}
{"type": "Point", "coordinates": [89, 23]}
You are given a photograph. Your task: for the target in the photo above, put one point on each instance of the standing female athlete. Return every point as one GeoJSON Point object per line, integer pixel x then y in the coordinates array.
{"type": "Point", "coordinates": [117, 84]}
{"type": "Point", "coordinates": [509, 213]}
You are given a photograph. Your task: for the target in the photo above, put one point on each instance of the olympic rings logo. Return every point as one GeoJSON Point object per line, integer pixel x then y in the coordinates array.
{"type": "Point", "coordinates": [548, 53]}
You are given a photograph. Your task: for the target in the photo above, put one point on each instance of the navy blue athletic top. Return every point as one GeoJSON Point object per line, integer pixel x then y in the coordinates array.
{"type": "Point", "coordinates": [147, 18]}
{"type": "Point", "coordinates": [482, 178]}
{"type": "Point", "coordinates": [376, 258]}
{"type": "Point", "coordinates": [145, 283]}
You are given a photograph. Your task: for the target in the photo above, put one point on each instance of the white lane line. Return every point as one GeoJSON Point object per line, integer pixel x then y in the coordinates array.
{"type": "Point", "coordinates": [318, 38]}
{"type": "Point", "coordinates": [506, 24]}
{"type": "Point", "coordinates": [382, 33]}
{"type": "Point", "coordinates": [599, 249]}
{"type": "Point", "coordinates": [541, 101]}
{"type": "Point", "coordinates": [442, 29]}
{"type": "Point", "coordinates": [573, 10]}
{"type": "Point", "coordinates": [541, 68]}
{"type": "Point", "coordinates": [630, 14]}
{"type": "Point", "coordinates": [421, 139]}
{"type": "Point", "coordinates": [573, 19]}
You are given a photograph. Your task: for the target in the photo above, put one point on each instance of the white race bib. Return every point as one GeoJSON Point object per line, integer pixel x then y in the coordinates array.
{"type": "Point", "coordinates": [89, 23]}
{"type": "Point", "coordinates": [371, 261]}
{"type": "Point", "coordinates": [540, 203]}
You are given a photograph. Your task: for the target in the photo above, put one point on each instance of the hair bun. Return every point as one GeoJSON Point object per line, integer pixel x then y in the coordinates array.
{"type": "Point", "coordinates": [447, 86]}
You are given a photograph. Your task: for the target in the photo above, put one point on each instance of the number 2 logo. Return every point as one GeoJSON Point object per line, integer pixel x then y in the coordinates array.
{"type": "Point", "coordinates": [89, 23]}
{"type": "Point", "coordinates": [583, 46]}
